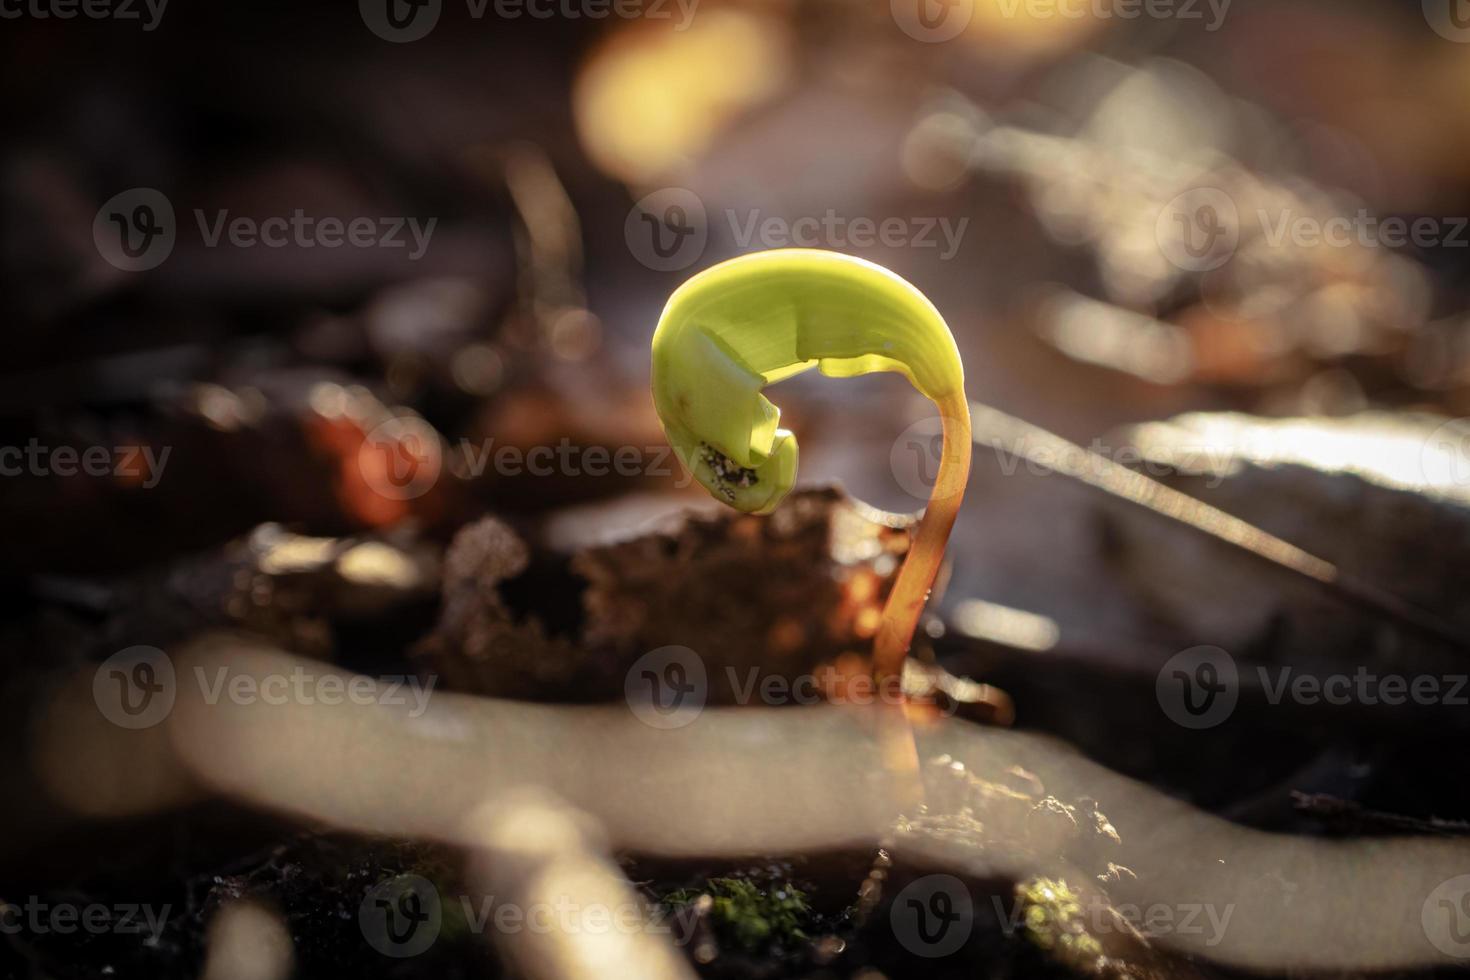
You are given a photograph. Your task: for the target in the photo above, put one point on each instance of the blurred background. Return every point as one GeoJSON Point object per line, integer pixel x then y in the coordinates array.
{"type": "Point", "coordinates": [285, 273]}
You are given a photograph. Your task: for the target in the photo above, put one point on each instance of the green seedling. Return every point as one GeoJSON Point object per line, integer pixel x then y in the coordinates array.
{"type": "Point", "coordinates": [758, 319]}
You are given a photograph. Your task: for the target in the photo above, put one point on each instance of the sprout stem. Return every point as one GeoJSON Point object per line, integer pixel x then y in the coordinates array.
{"type": "Point", "coordinates": [916, 577]}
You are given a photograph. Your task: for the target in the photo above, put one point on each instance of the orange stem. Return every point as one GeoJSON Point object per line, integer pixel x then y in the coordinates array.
{"type": "Point", "coordinates": [926, 554]}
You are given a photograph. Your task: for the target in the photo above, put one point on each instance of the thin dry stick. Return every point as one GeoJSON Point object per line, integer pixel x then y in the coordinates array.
{"type": "Point", "coordinates": [1037, 445]}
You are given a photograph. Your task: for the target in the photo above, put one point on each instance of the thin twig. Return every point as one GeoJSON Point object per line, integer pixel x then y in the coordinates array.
{"type": "Point", "coordinates": [1039, 446]}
